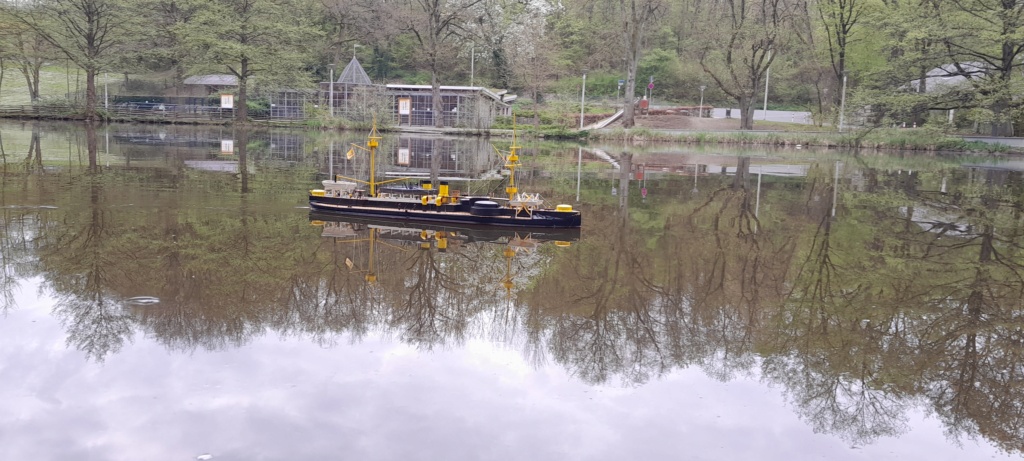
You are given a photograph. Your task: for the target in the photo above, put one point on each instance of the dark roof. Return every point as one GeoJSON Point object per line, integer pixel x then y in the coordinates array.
{"type": "Point", "coordinates": [213, 80]}
{"type": "Point", "coordinates": [497, 95]}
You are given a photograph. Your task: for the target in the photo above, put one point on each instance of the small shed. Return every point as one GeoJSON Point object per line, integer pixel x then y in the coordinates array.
{"type": "Point", "coordinates": [461, 106]}
{"type": "Point", "coordinates": [204, 85]}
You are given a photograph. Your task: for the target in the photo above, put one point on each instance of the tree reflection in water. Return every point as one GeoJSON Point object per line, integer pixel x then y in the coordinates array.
{"type": "Point", "coordinates": [909, 291]}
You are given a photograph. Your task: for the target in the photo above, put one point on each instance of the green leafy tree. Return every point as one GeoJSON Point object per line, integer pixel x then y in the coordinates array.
{"type": "Point", "coordinates": [89, 32]}
{"type": "Point", "coordinates": [248, 38]}
{"type": "Point", "coordinates": [161, 44]}
{"type": "Point", "coordinates": [983, 43]}
{"type": "Point", "coordinates": [951, 55]}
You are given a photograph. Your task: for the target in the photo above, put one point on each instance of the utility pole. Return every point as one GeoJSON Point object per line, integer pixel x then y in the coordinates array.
{"type": "Point", "coordinates": [842, 103]}
{"type": "Point", "coordinates": [330, 92]}
{"type": "Point", "coordinates": [700, 110]}
{"type": "Point", "coordinates": [583, 97]}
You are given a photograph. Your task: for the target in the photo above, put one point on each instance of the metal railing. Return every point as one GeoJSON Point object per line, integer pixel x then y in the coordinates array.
{"type": "Point", "coordinates": [140, 112]}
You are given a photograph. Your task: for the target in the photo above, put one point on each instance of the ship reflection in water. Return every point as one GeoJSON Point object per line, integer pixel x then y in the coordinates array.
{"type": "Point", "coordinates": [410, 240]}
{"type": "Point", "coordinates": [348, 226]}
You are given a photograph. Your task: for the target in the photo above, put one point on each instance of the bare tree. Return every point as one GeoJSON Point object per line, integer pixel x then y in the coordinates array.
{"type": "Point", "coordinates": [27, 50]}
{"type": "Point", "coordinates": [345, 20]}
{"type": "Point", "coordinates": [31, 52]}
{"type": "Point", "coordinates": [436, 24]}
{"type": "Point", "coordinates": [368, 23]}
{"type": "Point", "coordinates": [742, 38]}
{"type": "Point", "coordinates": [814, 58]}
{"type": "Point", "coordinates": [535, 66]}
{"type": "Point", "coordinates": [839, 17]}
{"type": "Point", "coordinates": [637, 17]}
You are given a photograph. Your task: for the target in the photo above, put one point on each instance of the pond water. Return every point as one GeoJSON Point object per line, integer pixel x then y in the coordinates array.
{"type": "Point", "coordinates": [166, 294]}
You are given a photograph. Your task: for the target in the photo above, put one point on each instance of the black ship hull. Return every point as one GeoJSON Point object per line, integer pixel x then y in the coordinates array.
{"type": "Point", "coordinates": [471, 232]}
{"type": "Point", "coordinates": [476, 211]}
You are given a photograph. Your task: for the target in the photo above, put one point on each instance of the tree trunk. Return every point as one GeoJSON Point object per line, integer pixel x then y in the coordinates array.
{"type": "Point", "coordinates": [242, 109]}
{"type": "Point", "coordinates": [92, 146]}
{"type": "Point", "coordinates": [625, 168]}
{"type": "Point", "coordinates": [536, 109]}
{"type": "Point", "coordinates": [1001, 126]}
{"type": "Point", "coordinates": [501, 67]}
{"type": "Point", "coordinates": [34, 87]}
{"type": "Point", "coordinates": [90, 96]}
{"type": "Point", "coordinates": [739, 180]}
{"type": "Point", "coordinates": [628, 108]}
{"type": "Point", "coordinates": [632, 60]}
{"type": "Point", "coordinates": [746, 112]}
{"type": "Point", "coordinates": [917, 118]}
{"type": "Point", "coordinates": [31, 74]}
{"type": "Point", "coordinates": [243, 170]}
{"type": "Point", "coordinates": [435, 97]}
{"type": "Point", "coordinates": [35, 153]}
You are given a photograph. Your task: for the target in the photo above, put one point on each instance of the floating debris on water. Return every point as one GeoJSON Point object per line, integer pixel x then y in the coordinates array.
{"type": "Point", "coordinates": [42, 207]}
{"type": "Point", "coordinates": [143, 301]}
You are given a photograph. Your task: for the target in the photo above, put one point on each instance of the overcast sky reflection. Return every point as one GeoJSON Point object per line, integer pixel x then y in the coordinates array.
{"type": "Point", "coordinates": [287, 398]}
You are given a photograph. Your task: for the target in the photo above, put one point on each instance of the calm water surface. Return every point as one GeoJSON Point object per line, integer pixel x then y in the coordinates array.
{"type": "Point", "coordinates": [166, 295]}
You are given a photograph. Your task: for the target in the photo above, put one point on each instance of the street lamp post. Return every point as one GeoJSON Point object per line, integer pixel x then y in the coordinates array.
{"type": "Point", "coordinates": [700, 110]}
{"type": "Point", "coordinates": [842, 103]}
{"type": "Point", "coordinates": [583, 97]}
{"type": "Point", "coordinates": [767, 75]}
{"type": "Point", "coordinates": [330, 102]}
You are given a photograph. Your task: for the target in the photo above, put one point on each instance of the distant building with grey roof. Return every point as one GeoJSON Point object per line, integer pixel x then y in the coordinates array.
{"type": "Point", "coordinates": [354, 96]}
{"type": "Point", "coordinates": [205, 85]}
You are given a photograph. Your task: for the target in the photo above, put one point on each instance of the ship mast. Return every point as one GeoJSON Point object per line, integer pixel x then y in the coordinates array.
{"type": "Point", "coordinates": [372, 143]}
{"type": "Point", "coordinates": [511, 162]}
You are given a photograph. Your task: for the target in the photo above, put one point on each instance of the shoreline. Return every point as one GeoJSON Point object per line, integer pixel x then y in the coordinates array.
{"type": "Point", "coordinates": [879, 139]}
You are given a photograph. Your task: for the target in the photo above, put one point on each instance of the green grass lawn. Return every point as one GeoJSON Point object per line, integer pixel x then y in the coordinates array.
{"type": "Point", "coordinates": [787, 126]}
{"type": "Point", "coordinates": [55, 83]}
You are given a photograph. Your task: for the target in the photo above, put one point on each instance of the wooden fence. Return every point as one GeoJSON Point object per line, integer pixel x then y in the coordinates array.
{"type": "Point", "coordinates": [135, 112]}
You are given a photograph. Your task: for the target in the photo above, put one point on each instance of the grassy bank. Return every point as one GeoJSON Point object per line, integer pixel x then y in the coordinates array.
{"type": "Point", "coordinates": [547, 123]}
{"type": "Point", "coordinates": [921, 139]}
{"type": "Point", "coordinates": [55, 83]}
